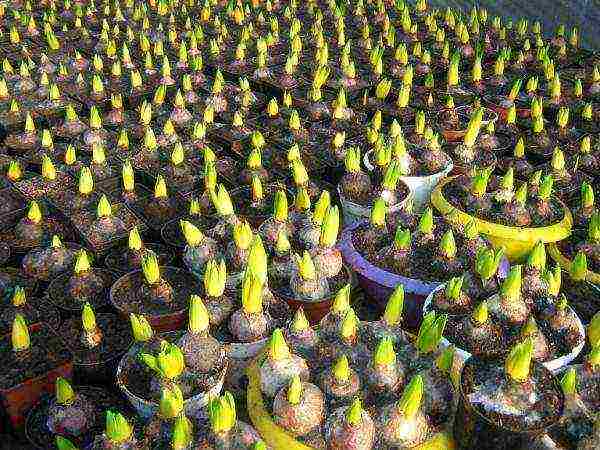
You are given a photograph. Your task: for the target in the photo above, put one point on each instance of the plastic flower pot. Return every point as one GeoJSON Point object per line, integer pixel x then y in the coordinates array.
{"type": "Point", "coordinates": [354, 213]}
{"type": "Point", "coordinates": [585, 294]}
{"type": "Point", "coordinates": [57, 292]}
{"type": "Point", "coordinates": [476, 429]}
{"type": "Point", "coordinates": [315, 311]}
{"type": "Point", "coordinates": [98, 239]}
{"type": "Point", "coordinates": [379, 284]}
{"type": "Point", "coordinates": [118, 258]}
{"type": "Point", "coordinates": [241, 198]}
{"type": "Point", "coordinates": [420, 187]}
{"type": "Point", "coordinates": [124, 296]}
{"type": "Point", "coordinates": [278, 438]}
{"type": "Point", "coordinates": [517, 241]}
{"type": "Point", "coordinates": [145, 408]}
{"type": "Point", "coordinates": [554, 365]}
{"type": "Point", "coordinates": [97, 365]}
{"type": "Point", "coordinates": [38, 312]}
{"type": "Point", "coordinates": [24, 381]}
{"type": "Point", "coordinates": [40, 437]}
{"type": "Point", "coordinates": [171, 233]}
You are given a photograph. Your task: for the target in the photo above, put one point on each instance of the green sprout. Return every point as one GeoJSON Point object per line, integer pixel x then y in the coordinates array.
{"type": "Point", "coordinates": [140, 328]}
{"type": "Point", "coordinates": [384, 355]}
{"type": "Point", "coordinates": [518, 361]}
{"type": "Point", "coordinates": [410, 402]}
{"type": "Point", "coordinates": [222, 413]}
{"type": "Point", "coordinates": [118, 430]}
{"type": "Point", "coordinates": [168, 364]}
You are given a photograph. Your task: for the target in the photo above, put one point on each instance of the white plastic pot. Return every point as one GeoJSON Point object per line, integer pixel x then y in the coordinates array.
{"type": "Point", "coordinates": [354, 212]}
{"type": "Point", "coordinates": [419, 187]}
{"type": "Point", "coordinates": [194, 407]}
{"type": "Point", "coordinates": [554, 365]}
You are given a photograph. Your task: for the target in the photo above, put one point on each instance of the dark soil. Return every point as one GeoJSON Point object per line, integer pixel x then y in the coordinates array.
{"type": "Point", "coordinates": [40, 437]}
{"type": "Point", "coordinates": [422, 262]}
{"type": "Point", "coordinates": [456, 193]}
{"type": "Point", "coordinates": [97, 236]}
{"type": "Point", "coordinates": [118, 259]}
{"type": "Point", "coordinates": [47, 352]}
{"type": "Point", "coordinates": [127, 294]}
{"type": "Point", "coordinates": [171, 232]}
{"type": "Point", "coordinates": [584, 297]}
{"type": "Point", "coordinates": [58, 294]}
{"type": "Point", "coordinates": [116, 339]}
{"type": "Point", "coordinates": [545, 411]}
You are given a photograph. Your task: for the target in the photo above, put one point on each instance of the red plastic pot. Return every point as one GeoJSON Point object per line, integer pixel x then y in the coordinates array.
{"type": "Point", "coordinates": [18, 399]}
{"type": "Point", "coordinates": [315, 311]}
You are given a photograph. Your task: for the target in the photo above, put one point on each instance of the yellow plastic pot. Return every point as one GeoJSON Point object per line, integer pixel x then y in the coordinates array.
{"type": "Point", "coordinates": [517, 241]}
{"type": "Point", "coordinates": [278, 439]}
{"type": "Point", "coordinates": [565, 264]}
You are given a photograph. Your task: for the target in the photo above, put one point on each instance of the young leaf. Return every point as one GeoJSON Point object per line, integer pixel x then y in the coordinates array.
{"type": "Point", "coordinates": [518, 361]}
{"type": "Point", "coordinates": [410, 402]}
{"type": "Point", "coordinates": [118, 430]}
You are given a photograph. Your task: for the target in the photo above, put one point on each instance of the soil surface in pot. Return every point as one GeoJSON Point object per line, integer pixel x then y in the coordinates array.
{"type": "Point", "coordinates": [533, 405]}
{"type": "Point", "coordinates": [422, 263]}
{"type": "Point", "coordinates": [37, 431]}
{"type": "Point", "coordinates": [128, 293]}
{"type": "Point", "coordinates": [46, 353]}
{"type": "Point", "coordinates": [140, 380]}
{"type": "Point", "coordinates": [34, 311]}
{"type": "Point", "coordinates": [58, 292]}
{"type": "Point", "coordinates": [456, 193]}
{"type": "Point", "coordinates": [116, 339]}
{"type": "Point", "coordinates": [171, 232]}
{"type": "Point", "coordinates": [119, 259]}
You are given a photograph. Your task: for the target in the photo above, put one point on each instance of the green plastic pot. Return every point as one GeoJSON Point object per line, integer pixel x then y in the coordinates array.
{"type": "Point", "coordinates": [517, 241]}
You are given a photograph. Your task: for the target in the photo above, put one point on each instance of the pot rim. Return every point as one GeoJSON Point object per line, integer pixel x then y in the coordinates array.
{"type": "Point", "coordinates": [565, 263]}
{"type": "Point", "coordinates": [412, 178]}
{"type": "Point", "coordinates": [554, 232]}
{"type": "Point", "coordinates": [354, 260]}
{"type": "Point", "coordinates": [119, 280]}
{"type": "Point", "coordinates": [153, 406]}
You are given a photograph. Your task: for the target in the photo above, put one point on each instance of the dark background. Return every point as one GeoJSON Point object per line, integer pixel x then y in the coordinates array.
{"type": "Point", "coordinates": [584, 14]}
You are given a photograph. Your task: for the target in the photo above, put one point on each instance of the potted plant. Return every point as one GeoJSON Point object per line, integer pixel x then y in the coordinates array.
{"type": "Point", "coordinates": [358, 193]}
{"type": "Point", "coordinates": [577, 427]}
{"type": "Point", "coordinates": [97, 343]}
{"type": "Point", "coordinates": [142, 376]}
{"type": "Point", "coordinates": [44, 263]}
{"type": "Point", "coordinates": [34, 310]}
{"type": "Point", "coordinates": [527, 224]}
{"type": "Point", "coordinates": [509, 383]}
{"type": "Point", "coordinates": [106, 226]}
{"type": "Point", "coordinates": [71, 415]}
{"type": "Point", "coordinates": [527, 304]}
{"type": "Point", "coordinates": [421, 166]}
{"type": "Point", "coordinates": [34, 361]}
{"type": "Point", "coordinates": [160, 293]}
{"type": "Point", "coordinates": [69, 291]}
{"type": "Point", "coordinates": [292, 408]}
{"type": "Point", "coordinates": [126, 260]}
{"type": "Point", "coordinates": [33, 230]}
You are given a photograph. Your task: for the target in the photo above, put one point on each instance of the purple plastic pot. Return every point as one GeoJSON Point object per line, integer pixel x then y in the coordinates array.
{"type": "Point", "coordinates": [379, 284]}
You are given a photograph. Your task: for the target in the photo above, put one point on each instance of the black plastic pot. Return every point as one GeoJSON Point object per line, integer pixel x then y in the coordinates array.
{"type": "Point", "coordinates": [476, 429]}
